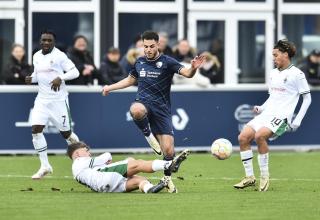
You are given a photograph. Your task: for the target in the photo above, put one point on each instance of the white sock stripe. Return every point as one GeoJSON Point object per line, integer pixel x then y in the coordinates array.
{"type": "Point", "coordinates": [42, 149]}
{"type": "Point", "coordinates": [247, 159]}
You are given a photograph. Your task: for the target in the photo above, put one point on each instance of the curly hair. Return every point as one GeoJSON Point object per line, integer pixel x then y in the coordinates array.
{"type": "Point", "coordinates": [286, 46]}
{"type": "Point", "coordinates": [150, 35]}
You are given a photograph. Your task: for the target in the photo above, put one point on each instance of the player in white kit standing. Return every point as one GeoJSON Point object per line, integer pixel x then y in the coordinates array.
{"type": "Point", "coordinates": [275, 116]}
{"type": "Point", "coordinates": [51, 69]}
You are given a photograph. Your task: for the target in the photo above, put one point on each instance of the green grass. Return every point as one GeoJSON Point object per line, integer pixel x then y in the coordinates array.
{"type": "Point", "coordinates": [205, 192]}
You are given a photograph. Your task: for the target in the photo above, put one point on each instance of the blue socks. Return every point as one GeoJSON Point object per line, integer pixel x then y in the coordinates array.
{"type": "Point", "coordinates": [143, 125]}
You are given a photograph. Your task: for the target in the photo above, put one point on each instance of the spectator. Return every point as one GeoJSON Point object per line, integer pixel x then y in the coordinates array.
{"type": "Point", "coordinates": [216, 48]}
{"type": "Point", "coordinates": [198, 79]}
{"type": "Point", "coordinates": [211, 68]}
{"type": "Point", "coordinates": [311, 67]}
{"type": "Point", "coordinates": [83, 60]}
{"type": "Point", "coordinates": [110, 70]}
{"type": "Point", "coordinates": [183, 51]}
{"type": "Point", "coordinates": [127, 61]}
{"type": "Point", "coordinates": [136, 43]}
{"type": "Point", "coordinates": [163, 44]}
{"type": "Point", "coordinates": [17, 68]}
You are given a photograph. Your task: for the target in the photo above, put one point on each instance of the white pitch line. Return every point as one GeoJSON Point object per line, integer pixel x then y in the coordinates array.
{"type": "Point", "coordinates": [25, 176]}
{"type": "Point", "coordinates": [272, 179]}
{"type": "Point", "coordinates": [155, 177]}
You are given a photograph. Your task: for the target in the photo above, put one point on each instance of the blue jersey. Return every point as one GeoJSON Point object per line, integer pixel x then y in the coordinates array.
{"type": "Point", "coordinates": [154, 79]}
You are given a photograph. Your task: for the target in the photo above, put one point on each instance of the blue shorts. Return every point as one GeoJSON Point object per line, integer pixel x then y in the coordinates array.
{"type": "Point", "coordinates": [160, 118]}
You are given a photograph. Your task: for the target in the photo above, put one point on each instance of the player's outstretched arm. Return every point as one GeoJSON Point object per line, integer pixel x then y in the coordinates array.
{"type": "Point", "coordinates": [69, 75]}
{"type": "Point", "coordinates": [195, 64]}
{"type": "Point", "coordinates": [257, 109]}
{"type": "Point", "coordinates": [126, 82]}
{"type": "Point", "coordinates": [303, 110]}
{"type": "Point", "coordinates": [102, 159]}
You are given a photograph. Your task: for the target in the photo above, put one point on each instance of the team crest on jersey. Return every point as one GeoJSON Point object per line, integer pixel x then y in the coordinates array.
{"type": "Point", "coordinates": [159, 64]}
{"type": "Point", "coordinates": [142, 73]}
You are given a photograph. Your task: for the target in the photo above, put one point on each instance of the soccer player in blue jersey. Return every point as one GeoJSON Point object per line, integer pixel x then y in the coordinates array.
{"type": "Point", "coordinates": [151, 110]}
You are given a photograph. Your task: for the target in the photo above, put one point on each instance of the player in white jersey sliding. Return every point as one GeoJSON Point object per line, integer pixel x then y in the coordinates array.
{"type": "Point", "coordinates": [275, 116]}
{"type": "Point", "coordinates": [101, 175]}
{"type": "Point", "coordinates": [51, 69]}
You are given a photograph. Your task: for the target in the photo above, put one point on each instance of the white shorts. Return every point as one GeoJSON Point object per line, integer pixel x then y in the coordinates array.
{"type": "Point", "coordinates": [276, 125]}
{"type": "Point", "coordinates": [102, 181]}
{"type": "Point", "coordinates": [55, 111]}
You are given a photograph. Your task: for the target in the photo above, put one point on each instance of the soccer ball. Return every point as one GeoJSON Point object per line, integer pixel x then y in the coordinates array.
{"type": "Point", "coordinates": [221, 148]}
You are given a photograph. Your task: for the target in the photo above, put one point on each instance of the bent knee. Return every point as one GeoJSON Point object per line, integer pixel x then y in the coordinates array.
{"type": "Point", "coordinates": [260, 137]}
{"type": "Point", "coordinates": [65, 134]}
{"type": "Point", "coordinates": [244, 138]}
{"type": "Point", "coordinates": [37, 129]}
{"type": "Point", "coordinates": [138, 110]}
{"type": "Point", "coordinates": [131, 159]}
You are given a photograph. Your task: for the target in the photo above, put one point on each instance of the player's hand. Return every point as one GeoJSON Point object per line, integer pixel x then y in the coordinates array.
{"type": "Point", "coordinates": [28, 80]}
{"type": "Point", "coordinates": [105, 90]}
{"type": "Point", "coordinates": [55, 84]}
{"type": "Point", "coordinates": [86, 72]}
{"type": "Point", "coordinates": [257, 109]}
{"type": "Point", "coordinates": [197, 61]}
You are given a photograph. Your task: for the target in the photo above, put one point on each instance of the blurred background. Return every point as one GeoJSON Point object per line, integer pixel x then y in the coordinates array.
{"type": "Point", "coordinates": [240, 32]}
{"type": "Point", "coordinates": [236, 36]}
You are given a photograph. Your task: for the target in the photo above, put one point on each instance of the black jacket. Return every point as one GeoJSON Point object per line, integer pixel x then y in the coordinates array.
{"type": "Point", "coordinates": [214, 74]}
{"type": "Point", "coordinates": [183, 58]}
{"type": "Point", "coordinates": [111, 72]}
{"type": "Point", "coordinates": [80, 58]}
{"type": "Point", "coordinates": [15, 72]}
{"type": "Point", "coordinates": [311, 70]}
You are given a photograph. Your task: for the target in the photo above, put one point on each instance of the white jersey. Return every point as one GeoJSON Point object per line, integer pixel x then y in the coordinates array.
{"type": "Point", "coordinates": [85, 171]}
{"type": "Point", "coordinates": [95, 163]}
{"type": "Point", "coordinates": [285, 87]}
{"type": "Point", "coordinates": [46, 68]}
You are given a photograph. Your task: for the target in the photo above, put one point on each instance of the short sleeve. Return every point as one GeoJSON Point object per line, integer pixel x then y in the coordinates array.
{"type": "Point", "coordinates": [173, 65]}
{"type": "Point", "coordinates": [133, 72]}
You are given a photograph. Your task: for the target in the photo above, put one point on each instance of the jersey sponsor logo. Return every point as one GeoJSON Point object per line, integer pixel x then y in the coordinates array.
{"type": "Point", "coordinates": [159, 64]}
{"type": "Point", "coordinates": [278, 89]}
{"type": "Point", "coordinates": [153, 74]}
{"type": "Point", "coordinates": [243, 114]}
{"type": "Point", "coordinates": [142, 73]}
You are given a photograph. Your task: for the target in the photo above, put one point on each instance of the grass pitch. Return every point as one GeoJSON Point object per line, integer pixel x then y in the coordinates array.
{"type": "Point", "coordinates": [204, 184]}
